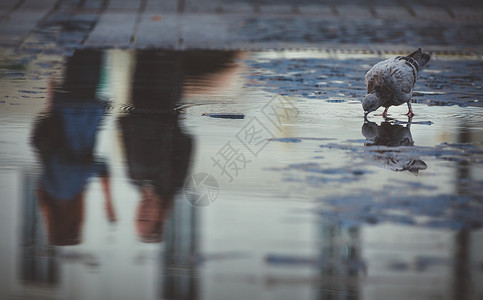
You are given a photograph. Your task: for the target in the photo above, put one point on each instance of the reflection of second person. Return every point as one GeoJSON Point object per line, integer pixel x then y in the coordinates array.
{"type": "Point", "coordinates": [64, 137]}
{"type": "Point", "coordinates": [157, 150]}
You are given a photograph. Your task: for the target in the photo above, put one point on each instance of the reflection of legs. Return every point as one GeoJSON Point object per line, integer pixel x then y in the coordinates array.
{"type": "Point", "coordinates": [150, 215]}
{"type": "Point", "coordinates": [63, 217]}
{"type": "Point", "coordinates": [410, 113]}
{"type": "Point", "coordinates": [108, 204]}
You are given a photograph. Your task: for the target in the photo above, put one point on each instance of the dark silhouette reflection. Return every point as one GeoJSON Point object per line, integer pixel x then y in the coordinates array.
{"type": "Point", "coordinates": [462, 270]}
{"type": "Point", "coordinates": [157, 150]}
{"type": "Point", "coordinates": [340, 250]}
{"type": "Point", "coordinates": [392, 135]}
{"type": "Point", "coordinates": [64, 137]}
{"type": "Point", "coordinates": [158, 154]}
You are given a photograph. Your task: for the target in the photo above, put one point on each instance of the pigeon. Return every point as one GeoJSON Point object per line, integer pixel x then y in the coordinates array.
{"type": "Point", "coordinates": [391, 82]}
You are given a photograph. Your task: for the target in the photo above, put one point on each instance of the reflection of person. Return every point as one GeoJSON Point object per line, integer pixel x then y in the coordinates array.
{"type": "Point", "coordinates": [392, 135]}
{"type": "Point", "coordinates": [65, 137]}
{"type": "Point", "coordinates": [157, 153]}
{"type": "Point", "coordinates": [157, 150]}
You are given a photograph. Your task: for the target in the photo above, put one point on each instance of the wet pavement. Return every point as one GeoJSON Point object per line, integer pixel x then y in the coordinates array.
{"type": "Point", "coordinates": [133, 170]}
{"type": "Point", "coordinates": [214, 174]}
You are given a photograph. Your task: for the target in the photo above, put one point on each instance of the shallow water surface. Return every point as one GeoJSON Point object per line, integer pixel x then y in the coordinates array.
{"type": "Point", "coordinates": [228, 174]}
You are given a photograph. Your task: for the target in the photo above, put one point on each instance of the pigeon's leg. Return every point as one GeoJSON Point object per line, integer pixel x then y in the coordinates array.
{"type": "Point", "coordinates": [410, 112]}
{"type": "Point", "coordinates": [384, 113]}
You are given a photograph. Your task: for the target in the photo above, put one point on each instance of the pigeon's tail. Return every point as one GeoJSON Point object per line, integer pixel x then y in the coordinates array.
{"type": "Point", "coordinates": [420, 57]}
{"type": "Point", "coordinates": [424, 59]}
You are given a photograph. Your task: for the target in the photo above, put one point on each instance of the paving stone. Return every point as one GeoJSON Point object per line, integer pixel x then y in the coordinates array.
{"type": "Point", "coordinates": [353, 11]}
{"type": "Point", "coordinates": [93, 4]}
{"type": "Point", "coordinates": [74, 36]}
{"type": "Point", "coordinates": [467, 14]}
{"type": "Point", "coordinates": [132, 5]}
{"type": "Point", "coordinates": [432, 13]}
{"type": "Point", "coordinates": [238, 8]}
{"type": "Point", "coordinates": [161, 6]}
{"type": "Point", "coordinates": [320, 10]}
{"type": "Point", "coordinates": [18, 24]}
{"type": "Point", "coordinates": [206, 6]}
{"type": "Point", "coordinates": [7, 4]}
{"type": "Point", "coordinates": [70, 4]}
{"type": "Point", "coordinates": [38, 4]}
{"type": "Point", "coordinates": [278, 9]}
{"type": "Point", "coordinates": [392, 12]}
{"type": "Point", "coordinates": [161, 31]}
{"type": "Point", "coordinates": [188, 24]}
{"type": "Point", "coordinates": [114, 29]}
{"type": "Point", "coordinates": [205, 31]}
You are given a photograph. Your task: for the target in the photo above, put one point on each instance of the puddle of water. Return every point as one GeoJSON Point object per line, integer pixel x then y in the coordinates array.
{"type": "Point", "coordinates": [113, 173]}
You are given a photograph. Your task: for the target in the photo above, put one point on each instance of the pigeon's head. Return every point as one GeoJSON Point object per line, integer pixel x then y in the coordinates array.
{"type": "Point", "coordinates": [370, 103]}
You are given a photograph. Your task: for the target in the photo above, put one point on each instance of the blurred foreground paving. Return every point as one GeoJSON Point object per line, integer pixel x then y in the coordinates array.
{"type": "Point", "coordinates": [47, 25]}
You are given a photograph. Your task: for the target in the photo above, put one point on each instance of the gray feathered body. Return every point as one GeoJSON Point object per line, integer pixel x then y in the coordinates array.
{"type": "Point", "coordinates": [391, 82]}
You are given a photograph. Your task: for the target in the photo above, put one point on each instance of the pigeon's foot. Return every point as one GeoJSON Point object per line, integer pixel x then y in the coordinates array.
{"type": "Point", "coordinates": [410, 113]}
{"type": "Point", "coordinates": [384, 113]}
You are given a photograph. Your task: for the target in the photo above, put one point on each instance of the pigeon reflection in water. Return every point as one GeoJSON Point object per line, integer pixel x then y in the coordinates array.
{"type": "Point", "coordinates": [390, 136]}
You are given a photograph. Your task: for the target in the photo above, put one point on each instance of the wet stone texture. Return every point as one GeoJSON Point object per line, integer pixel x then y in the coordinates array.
{"type": "Point", "coordinates": [394, 196]}
{"type": "Point", "coordinates": [216, 24]}
{"type": "Point", "coordinates": [365, 31]}
{"type": "Point", "coordinates": [136, 165]}
{"type": "Point", "coordinates": [341, 80]}
{"type": "Point", "coordinates": [389, 145]}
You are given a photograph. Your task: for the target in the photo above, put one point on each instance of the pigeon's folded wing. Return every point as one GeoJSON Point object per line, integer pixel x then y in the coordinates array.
{"type": "Point", "coordinates": [403, 77]}
{"type": "Point", "coordinates": [374, 76]}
